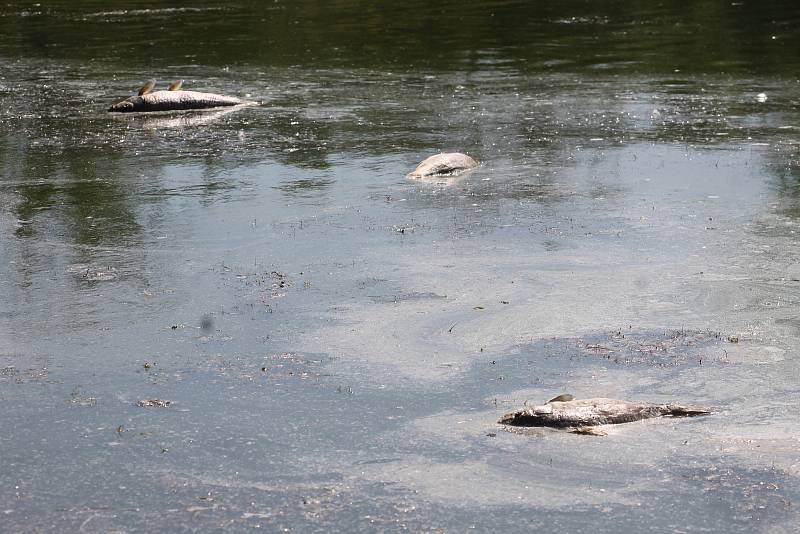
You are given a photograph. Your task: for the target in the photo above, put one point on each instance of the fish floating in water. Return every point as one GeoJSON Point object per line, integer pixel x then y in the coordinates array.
{"type": "Point", "coordinates": [447, 164]}
{"type": "Point", "coordinates": [580, 416]}
{"type": "Point", "coordinates": [172, 99]}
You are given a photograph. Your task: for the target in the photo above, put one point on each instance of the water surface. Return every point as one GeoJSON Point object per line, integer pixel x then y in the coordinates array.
{"type": "Point", "coordinates": [338, 341]}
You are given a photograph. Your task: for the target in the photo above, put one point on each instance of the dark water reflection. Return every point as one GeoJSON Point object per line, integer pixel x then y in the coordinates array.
{"type": "Point", "coordinates": [621, 36]}
{"type": "Point", "coordinates": [338, 340]}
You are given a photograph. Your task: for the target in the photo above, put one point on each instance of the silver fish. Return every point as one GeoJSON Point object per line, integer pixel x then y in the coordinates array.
{"type": "Point", "coordinates": [171, 99]}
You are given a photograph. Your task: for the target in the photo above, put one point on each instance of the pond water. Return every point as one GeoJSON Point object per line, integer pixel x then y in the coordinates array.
{"type": "Point", "coordinates": [336, 340]}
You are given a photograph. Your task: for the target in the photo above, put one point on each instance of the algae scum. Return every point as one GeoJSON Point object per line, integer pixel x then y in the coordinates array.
{"type": "Point", "coordinates": [252, 318]}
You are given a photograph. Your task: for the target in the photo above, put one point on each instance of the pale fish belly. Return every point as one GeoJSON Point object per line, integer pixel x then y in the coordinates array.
{"type": "Point", "coordinates": [450, 163]}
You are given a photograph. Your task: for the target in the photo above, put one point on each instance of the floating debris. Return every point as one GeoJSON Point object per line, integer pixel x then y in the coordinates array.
{"type": "Point", "coordinates": [153, 402]}
{"type": "Point", "coordinates": [77, 398]}
{"type": "Point", "coordinates": [662, 349]}
{"type": "Point", "coordinates": [93, 273]}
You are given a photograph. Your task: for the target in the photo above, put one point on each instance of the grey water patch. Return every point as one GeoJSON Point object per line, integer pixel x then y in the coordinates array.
{"type": "Point", "coordinates": [257, 288]}
{"type": "Point", "coordinates": [741, 495]}
{"type": "Point", "coordinates": [27, 375]}
{"type": "Point", "coordinates": [286, 368]}
{"type": "Point", "coordinates": [78, 397]}
{"type": "Point", "coordinates": [741, 500]}
{"type": "Point", "coordinates": [405, 296]}
{"type": "Point", "coordinates": [328, 502]}
{"type": "Point", "coordinates": [542, 360]}
{"type": "Point", "coordinates": [207, 323]}
{"type": "Point", "coordinates": [305, 187]}
{"type": "Point", "coordinates": [93, 273]}
{"type": "Point", "coordinates": [654, 347]}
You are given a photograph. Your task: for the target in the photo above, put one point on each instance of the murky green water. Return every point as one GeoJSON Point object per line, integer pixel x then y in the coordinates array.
{"type": "Point", "coordinates": [337, 340]}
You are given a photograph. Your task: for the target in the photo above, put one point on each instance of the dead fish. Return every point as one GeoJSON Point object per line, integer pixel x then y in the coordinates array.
{"type": "Point", "coordinates": [446, 164]}
{"type": "Point", "coordinates": [172, 99]}
{"type": "Point", "coordinates": [565, 411]}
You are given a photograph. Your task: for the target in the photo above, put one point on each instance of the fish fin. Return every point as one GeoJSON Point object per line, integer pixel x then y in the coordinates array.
{"type": "Point", "coordinates": [147, 87]}
{"type": "Point", "coordinates": [174, 86]}
{"type": "Point", "coordinates": [564, 397]}
{"type": "Point", "coordinates": [587, 431]}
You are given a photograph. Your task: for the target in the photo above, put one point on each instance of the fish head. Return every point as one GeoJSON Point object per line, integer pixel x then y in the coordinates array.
{"type": "Point", "coordinates": [133, 103]}
{"type": "Point", "coordinates": [531, 416]}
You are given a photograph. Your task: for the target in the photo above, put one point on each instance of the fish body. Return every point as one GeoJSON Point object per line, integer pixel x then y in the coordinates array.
{"type": "Point", "coordinates": [173, 100]}
{"type": "Point", "coordinates": [593, 412]}
{"type": "Point", "coordinates": [446, 164]}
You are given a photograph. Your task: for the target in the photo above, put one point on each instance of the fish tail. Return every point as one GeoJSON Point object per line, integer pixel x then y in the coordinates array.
{"type": "Point", "coordinates": [687, 410]}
